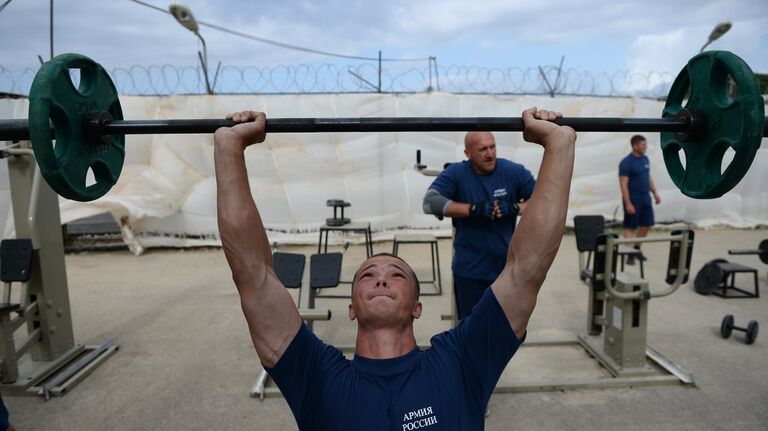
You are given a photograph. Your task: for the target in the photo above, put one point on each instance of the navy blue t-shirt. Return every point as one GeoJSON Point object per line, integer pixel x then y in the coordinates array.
{"type": "Point", "coordinates": [4, 422]}
{"type": "Point", "coordinates": [446, 387]}
{"type": "Point", "coordinates": [480, 244]}
{"type": "Point", "coordinates": [638, 169]}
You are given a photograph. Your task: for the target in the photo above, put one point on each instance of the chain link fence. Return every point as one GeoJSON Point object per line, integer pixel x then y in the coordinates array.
{"type": "Point", "coordinates": [369, 78]}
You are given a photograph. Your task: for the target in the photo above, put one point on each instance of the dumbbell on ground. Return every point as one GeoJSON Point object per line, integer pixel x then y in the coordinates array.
{"type": "Point", "coordinates": [727, 326]}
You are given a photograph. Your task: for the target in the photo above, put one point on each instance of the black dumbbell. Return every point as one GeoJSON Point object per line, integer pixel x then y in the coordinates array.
{"type": "Point", "coordinates": [727, 326]}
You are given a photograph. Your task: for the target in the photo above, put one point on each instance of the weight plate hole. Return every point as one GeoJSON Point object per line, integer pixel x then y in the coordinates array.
{"type": "Point", "coordinates": [728, 156]}
{"type": "Point", "coordinates": [681, 156]}
{"type": "Point", "coordinates": [74, 76]}
{"type": "Point", "coordinates": [90, 177]}
{"type": "Point", "coordinates": [686, 95]}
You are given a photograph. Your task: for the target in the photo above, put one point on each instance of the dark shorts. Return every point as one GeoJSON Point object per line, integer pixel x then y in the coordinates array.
{"type": "Point", "coordinates": [643, 215]}
{"type": "Point", "coordinates": [468, 292]}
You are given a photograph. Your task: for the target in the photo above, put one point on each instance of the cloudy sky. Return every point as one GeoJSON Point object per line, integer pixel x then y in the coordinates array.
{"type": "Point", "coordinates": [594, 35]}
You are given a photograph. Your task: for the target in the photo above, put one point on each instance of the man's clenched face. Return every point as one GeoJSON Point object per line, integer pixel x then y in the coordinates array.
{"type": "Point", "coordinates": [384, 293]}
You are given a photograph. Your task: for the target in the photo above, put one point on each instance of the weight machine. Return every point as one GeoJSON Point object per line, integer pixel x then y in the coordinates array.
{"type": "Point", "coordinates": [618, 308]}
{"type": "Point", "coordinates": [46, 361]}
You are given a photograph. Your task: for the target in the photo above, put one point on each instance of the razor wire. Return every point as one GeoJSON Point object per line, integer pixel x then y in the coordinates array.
{"type": "Point", "coordinates": [325, 78]}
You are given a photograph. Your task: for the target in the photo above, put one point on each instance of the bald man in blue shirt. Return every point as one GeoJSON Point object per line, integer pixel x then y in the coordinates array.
{"type": "Point", "coordinates": [483, 196]}
{"type": "Point", "coordinates": [390, 384]}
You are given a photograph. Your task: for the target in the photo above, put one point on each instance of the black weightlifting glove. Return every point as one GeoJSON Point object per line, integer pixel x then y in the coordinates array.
{"type": "Point", "coordinates": [508, 208]}
{"type": "Point", "coordinates": [483, 209]}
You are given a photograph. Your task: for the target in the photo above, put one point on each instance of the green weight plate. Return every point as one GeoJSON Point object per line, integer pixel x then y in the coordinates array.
{"type": "Point", "coordinates": [763, 248]}
{"type": "Point", "coordinates": [64, 164]}
{"type": "Point", "coordinates": [735, 122]}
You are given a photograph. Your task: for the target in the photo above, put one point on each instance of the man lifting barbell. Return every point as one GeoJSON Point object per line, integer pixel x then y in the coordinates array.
{"type": "Point", "coordinates": [390, 382]}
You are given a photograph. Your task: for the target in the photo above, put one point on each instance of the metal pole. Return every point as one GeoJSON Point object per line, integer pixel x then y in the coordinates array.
{"type": "Point", "coordinates": [379, 71]}
{"type": "Point", "coordinates": [18, 130]}
{"type": "Point", "coordinates": [397, 124]}
{"type": "Point", "coordinates": [50, 30]}
{"type": "Point", "coordinates": [204, 61]}
{"type": "Point", "coordinates": [429, 63]}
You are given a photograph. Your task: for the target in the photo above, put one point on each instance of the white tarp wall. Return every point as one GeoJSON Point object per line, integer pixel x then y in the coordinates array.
{"type": "Point", "coordinates": [167, 188]}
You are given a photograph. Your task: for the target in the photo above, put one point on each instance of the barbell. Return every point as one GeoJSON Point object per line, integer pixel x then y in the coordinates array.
{"type": "Point", "coordinates": [761, 251]}
{"type": "Point", "coordinates": [714, 104]}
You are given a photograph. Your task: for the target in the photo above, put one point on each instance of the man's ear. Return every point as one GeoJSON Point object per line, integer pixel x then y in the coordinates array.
{"type": "Point", "coordinates": [466, 152]}
{"type": "Point", "coordinates": [352, 315]}
{"type": "Point", "coordinates": [416, 313]}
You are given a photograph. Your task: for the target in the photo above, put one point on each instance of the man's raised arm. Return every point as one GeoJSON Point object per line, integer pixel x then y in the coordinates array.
{"type": "Point", "coordinates": [540, 231]}
{"type": "Point", "coordinates": [273, 319]}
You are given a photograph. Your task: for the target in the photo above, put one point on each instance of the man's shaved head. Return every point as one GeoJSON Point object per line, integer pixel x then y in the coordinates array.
{"type": "Point", "coordinates": [472, 137]}
{"type": "Point", "coordinates": [480, 149]}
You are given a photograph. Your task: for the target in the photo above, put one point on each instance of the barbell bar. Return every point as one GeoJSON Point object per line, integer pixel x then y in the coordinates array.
{"type": "Point", "coordinates": [702, 118]}
{"type": "Point", "coordinates": [761, 251]}
{"type": "Point", "coordinates": [18, 130]}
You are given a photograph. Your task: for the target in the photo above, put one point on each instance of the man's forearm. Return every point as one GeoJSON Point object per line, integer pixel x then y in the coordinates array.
{"type": "Point", "coordinates": [457, 209]}
{"type": "Point", "coordinates": [540, 231]}
{"type": "Point", "coordinates": [245, 242]}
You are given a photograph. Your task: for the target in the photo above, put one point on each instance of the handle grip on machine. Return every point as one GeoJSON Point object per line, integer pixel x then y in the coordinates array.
{"type": "Point", "coordinates": [677, 271]}
{"type": "Point", "coordinates": [424, 169]}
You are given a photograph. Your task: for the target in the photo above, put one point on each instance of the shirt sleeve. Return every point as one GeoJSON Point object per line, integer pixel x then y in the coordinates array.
{"type": "Point", "coordinates": [445, 183]}
{"type": "Point", "coordinates": [526, 185]}
{"type": "Point", "coordinates": [300, 369]}
{"type": "Point", "coordinates": [484, 342]}
{"type": "Point", "coordinates": [624, 168]}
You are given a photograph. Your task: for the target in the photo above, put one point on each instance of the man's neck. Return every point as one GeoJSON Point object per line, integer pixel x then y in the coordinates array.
{"type": "Point", "coordinates": [384, 343]}
{"type": "Point", "coordinates": [636, 154]}
{"type": "Point", "coordinates": [477, 170]}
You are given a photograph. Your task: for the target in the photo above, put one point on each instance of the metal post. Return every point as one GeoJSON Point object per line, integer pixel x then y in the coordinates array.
{"type": "Point", "coordinates": [626, 323]}
{"type": "Point", "coordinates": [48, 282]}
{"type": "Point", "coordinates": [204, 61]}
{"type": "Point", "coordinates": [429, 66]}
{"type": "Point", "coordinates": [379, 71]}
{"type": "Point", "coordinates": [50, 30]}
{"type": "Point", "coordinates": [559, 74]}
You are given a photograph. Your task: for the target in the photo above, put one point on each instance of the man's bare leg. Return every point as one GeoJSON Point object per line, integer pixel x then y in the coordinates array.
{"type": "Point", "coordinates": [642, 232]}
{"type": "Point", "coordinates": [630, 233]}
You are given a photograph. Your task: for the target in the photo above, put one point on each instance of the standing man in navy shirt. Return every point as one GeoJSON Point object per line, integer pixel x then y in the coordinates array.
{"type": "Point", "coordinates": [636, 184]}
{"type": "Point", "coordinates": [483, 196]}
{"type": "Point", "coordinates": [390, 384]}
